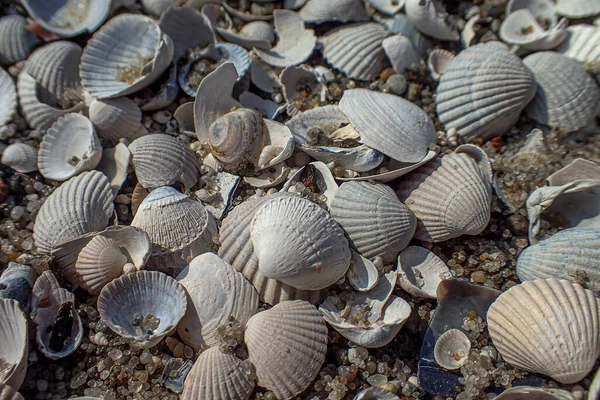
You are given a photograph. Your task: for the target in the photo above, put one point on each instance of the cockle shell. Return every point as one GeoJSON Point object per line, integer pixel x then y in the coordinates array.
{"type": "Point", "coordinates": [535, 393]}
{"type": "Point", "coordinates": [430, 18]}
{"type": "Point", "coordinates": [318, 12]}
{"type": "Point", "coordinates": [564, 347]}
{"type": "Point", "coordinates": [289, 361]}
{"type": "Point", "coordinates": [116, 119]}
{"type": "Point", "coordinates": [373, 392]}
{"type": "Point", "coordinates": [567, 97]}
{"type": "Point", "coordinates": [13, 344]}
{"type": "Point", "coordinates": [391, 224]}
{"type": "Point", "coordinates": [577, 8]}
{"type": "Point", "coordinates": [217, 293]}
{"type": "Point", "coordinates": [388, 7]}
{"type": "Point", "coordinates": [483, 91]}
{"type": "Point", "coordinates": [521, 28]}
{"type": "Point", "coordinates": [420, 272]}
{"type": "Point", "coordinates": [16, 282]}
{"type": "Point", "coordinates": [81, 205]}
{"type": "Point", "coordinates": [21, 157]}
{"type": "Point", "coordinates": [8, 101]}
{"type": "Point", "coordinates": [438, 62]}
{"type": "Point", "coordinates": [583, 45]}
{"type": "Point", "coordinates": [188, 29]}
{"type": "Point", "coordinates": [98, 263]}
{"type": "Point", "coordinates": [452, 349]}
{"type": "Point", "coordinates": [15, 40]}
{"type": "Point", "coordinates": [143, 293]}
{"type": "Point", "coordinates": [8, 393]}
{"type": "Point", "coordinates": [401, 53]}
{"type": "Point", "coordinates": [126, 55]}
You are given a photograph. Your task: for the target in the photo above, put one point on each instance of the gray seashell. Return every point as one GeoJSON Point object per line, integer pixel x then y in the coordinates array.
{"type": "Point", "coordinates": [451, 349]}
{"type": "Point", "coordinates": [114, 164]}
{"type": "Point", "coordinates": [8, 101]}
{"type": "Point", "coordinates": [583, 45]}
{"type": "Point", "coordinates": [535, 393]}
{"type": "Point", "coordinates": [248, 17]}
{"type": "Point", "coordinates": [174, 374]}
{"type": "Point", "coordinates": [258, 30]}
{"type": "Point", "coordinates": [13, 343]}
{"type": "Point", "coordinates": [222, 193]}
{"type": "Point", "coordinates": [430, 18]}
{"type": "Point", "coordinates": [362, 275]}
{"type": "Point", "coordinates": [483, 91]}
{"type": "Point", "coordinates": [8, 393]}
{"type": "Point", "coordinates": [438, 62]}
{"type": "Point", "coordinates": [421, 272]}
{"type": "Point", "coordinates": [217, 16]}
{"type": "Point", "coordinates": [20, 157]}
{"type": "Point", "coordinates": [167, 93]}
{"type": "Point", "coordinates": [401, 53]}
{"type": "Point", "coordinates": [15, 40]}
{"type": "Point", "coordinates": [158, 7]}
{"type": "Point", "coordinates": [188, 29]}
{"type": "Point", "coordinates": [387, 7]}
{"type": "Point", "coordinates": [67, 18]}
{"type": "Point", "coordinates": [521, 28]}
{"type": "Point", "coordinates": [16, 282]}
{"type": "Point", "coordinates": [294, 77]}
{"type": "Point", "coordinates": [115, 119]}
{"type": "Point", "coordinates": [375, 393]}
{"type": "Point", "coordinates": [264, 76]}
{"type": "Point", "coordinates": [269, 177]}
{"type": "Point", "coordinates": [267, 108]}
{"type": "Point", "coordinates": [319, 12]}
{"type": "Point", "coordinates": [257, 34]}
{"type": "Point", "coordinates": [567, 96]}
{"type": "Point", "coordinates": [542, 10]}
{"type": "Point", "coordinates": [400, 24]}
{"type": "Point", "coordinates": [577, 8]}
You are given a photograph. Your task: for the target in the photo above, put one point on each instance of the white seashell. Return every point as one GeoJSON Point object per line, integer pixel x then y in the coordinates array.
{"type": "Point", "coordinates": [158, 7]}
{"type": "Point", "coordinates": [257, 34]}
{"type": "Point", "coordinates": [303, 76]}
{"type": "Point", "coordinates": [420, 272]}
{"type": "Point", "coordinates": [68, 148]}
{"type": "Point", "coordinates": [269, 177]}
{"type": "Point", "coordinates": [356, 50]}
{"type": "Point", "coordinates": [81, 205]}
{"type": "Point", "coordinates": [295, 44]}
{"type": "Point", "coordinates": [114, 164]}
{"type": "Point", "coordinates": [542, 10]}
{"type": "Point", "coordinates": [452, 349]}
{"type": "Point", "coordinates": [184, 115]}
{"type": "Point", "coordinates": [362, 274]}
{"type": "Point", "coordinates": [13, 344]}
{"type": "Point", "coordinates": [98, 263]}
{"type": "Point", "coordinates": [430, 18]}
{"type": "Point", "coordinates": [267, 108]}
{"type": "Point", "coordinates": [567, 96]}
{"type": "Point", "coordinates": [401, 24]}
{"type": "Point", "coordinates": [387, 7]}
{"type": "Point", "coordinates": [20, 157]}
{"type": "Point", "coordinates": [180, 229]}
{"type": "Point", "coordinates": [468, 33]}
{"type": "Point", "coordinates": [161, 160]}
{"type": "Point", "coordinates": [188, 29]}
{"type": "Point", "coordinates": [521, 28]}
{"type": "Point", "coordinates": [126, 55]}
{"type": "Point", "coordinates": [116, 119]}
{"type": "Point", "coordinates": [8, 101]}
{"type": "Point", "coordinates": [264, 76]}
{"type": "Point", "coordinates": [144, 293]}
{"type": "Point", "coordinates": [319, 12]}
{"type": "Point", "coordinates": [259, 30]}
{"type": "Point", "coordinates": [400, 52]}
{"type": "Point", "coordinates": [320, 181]}
{"type": "Point", "coordinates": [8, 393]}
{"type": "Point", "coordinates": [518, 319]}
{"type": "Point", "coordinates": [577, 8]}
{"type": "Point", "coordinates": [218, 375]}
{"type": "Point", "coordinates": [373, 392]}
{"type": "Point", "coordinates": [583, 45]}
{"type": "Point", "coordinates": [594, 389]}
{"type": "Point", "coordinates": [438, 62]}
{"type": "Point", "coordinates": [15, 40]}
{"type": "Point", "coordinates": [288, 362]}
{"type": "Point", "coordinates": [217, 293]}
{"type": "Point", "coordinates": [483, 91]}
{"type": "Point", "coordinates": [535, 393]}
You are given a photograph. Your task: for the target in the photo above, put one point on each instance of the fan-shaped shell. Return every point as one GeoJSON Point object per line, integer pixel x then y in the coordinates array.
{"type": "Point", "coordinates": [188, 29]}
{"type": "Point", "coordinates": [98, 263]}
{"type": "Point", "coordinates": [577, 8]}
{"type": "Point", "coordinates": [67, 18]}
{"type": "Point", "coordinates": [15, 40]}
{"type": "Point", "coordinates": [20, 157]}
{"type": "Point", "coordinates": [116, 119]}
{"type": "Point", "coordinates": [452, 349]}
{"type": "Point", "coordinates": [583, 45]}
{"type": "Point", "coordinates": [8, 101]}
{"type": "Point", "coordinates": [421, 272]}
{"type": "Point", "coordinates": [438, 62]}
{"type": "Point", "coordinates": [549, 327]}
{"type": "Point", "coordinates": [535, 393]}
{"type": "Point", "coordinates": [318, 12]}
{"type": "Point", "coordinates": [13, 343]}
{"type": "Point", "coordinates": [289, 361]}
{"type": "Point", "coordinates": [483, 91]}
{"type": "Point", "coordinates": [427, 17]}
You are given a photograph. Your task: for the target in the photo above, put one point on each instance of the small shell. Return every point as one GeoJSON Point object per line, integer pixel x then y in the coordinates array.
{"type": "Point", "coordinates": [429, 18]}
{"type": "Point", "coordinates": [8, 101]}
{"type": "Point", "coordinates": [66, 18]}
{"type": "Point", "coordinates": [387, 7]}
{"type": "Point", "coordinates": [114, 164]}
{"type": "Point", "coordinates": [438, 62]}
{"type": "Point", "coordinates": [68, 148]}
{"type": "Point", "coordinates": [362, 274]}
{"type": "Point", "coordinates": [452, 349]}
{"type": "Point", "coordinates": [175, 372]}
{"type": "Point", "coordinates": [583, 45]}
{"type": "Point", "coordinates": [13, 343]}
{"type": "Point", "coordinates": [373, 392]}
{"type": "Point", "coordinates": [16, 283]}
{"type": "Point", "coordinates": [15, 40]}
{"type": "Point", "coordinates": [536, 393]}
{"type": "Point", "coordinates": [421, 272]}
{"type": "Point", "coordinates": [288, 362]}
{"type": "Point", "coordinates": [567, 96]}
{"type": "Point", "coordinates": [20, 157]}
{"type": "Point", "coordinates": [522, 29]}
{"type": "Point", "coordinates": [145, 293]}
{"type": "Point", "coordinates": [98, 263]}
{"type": "Point", "coordinates": [257, 34]}
{"type": "Point", "coordinates": [116, 119]}
{"type": "Point", "coordinates": [564, 347]}
{"type": "Point", "coordinates": [8, 393]}
{"type": "Point", "coordinates": [188, 29]}
{"type": "Point", "coordinates": [577, 8]}
{"type": "Point", "coordinates": [319, 12]}
{"type": "Point", "coordinates": [401, 53]}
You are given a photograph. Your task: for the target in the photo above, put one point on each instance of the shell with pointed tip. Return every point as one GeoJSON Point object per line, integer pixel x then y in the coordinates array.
{"type": "Point", "coordinates": [289, 361]}
{"type": "Point", "coordinates": [583, 45]}
{"type": "Point", "coordinates": [8, 101]}
{"type": "Point", "coordinates": [438, 62]}
{"type": "Point", "coordinates": [375, 393]}
{"type": "Point", "coordinates": [116, 119]}
{"type": "Point", "coordinates": [430, 19]}
{"type": "Point", "coordinates": [13, 343]}
{"type": "Point", "coordinates": [139, 294]}
{"type": "Point", "coordinates": [81, 205]}
{"type": "Point", "coordinates": [126, 55]}
{"type": "Point", "coordinates": [8, 393]}
{"type": "Point", "coordinates": [483, 91]}
{"type": "Point", "coordinates": [15, 40]}
{"type": "Point", "coordinates": [536, 393]}
{"type": "Point", "coordinates": [567, 97]}
{"type": "Point", "coordinates": [421, 271]}
{"type": "Point", "coordinates": [188, 29]}
{"type": "Point", "coordinates": [98, 263]}
{"type": "Point", "coordinates": [577, 8]}
{"type": "Point", "coordinates": [20, 157]}
{"type": "Point", "coordinates": [521, 28]}
{"type": "Point", "coordinates": [67, 18]}
{"type": "Point", "coordinates": [452, 349]}
{"type": "Point", "coordinates": [564, 347]}
{"type": "Point", "coordinates": [318, 12]}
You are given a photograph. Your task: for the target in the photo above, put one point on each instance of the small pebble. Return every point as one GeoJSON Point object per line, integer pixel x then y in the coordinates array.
{"type": "Point", "coordinates": [397, 84]}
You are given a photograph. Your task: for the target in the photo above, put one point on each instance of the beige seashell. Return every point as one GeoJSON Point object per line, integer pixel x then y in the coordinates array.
{"type": "Point", "coordinates": [8, 101]}
{"type": "Point", "coordinates": [114, 164]}
{"type": "Point", "coordinates": [373, 392]}
{"type": "Point", "coordinates": [116, 119]}
{"type": "Point", "coordinates": [401, 53]}
{"type": "Point", "coordinates": [521, 28]}
{"type": "Point", "coordinates": [564, 347]}
{"type": "Point", "coordinates": [15, 40]}
{"type": "Point", "coordinates": [534, 393]}
{"type": "Point", "coordinates": [98, 263]}
{"type": "Point", "coordinates": [438, 62]}
{"type": "Point", "coordinates": [429, 18]}
{"type": "Point", "coordinates": [452, 349]}
{"type": "Point", "coordinates": [577, 8]}
{"type": "Point", "coordinates": [288, 362]}
{"type": "Point", "coordinates": [13, 344]}
{"type": "Point", "coordinates": [583, 45]}
{"type": "Point", "coordinates": [8, 393]}
{"type": "Point", "coordinates": [20, 157]}
{"type": "Point", "coordinates": [319, 12]}
{"type": "Point", "coordinates": [188, 29]}
{"type": "Point", "coordinates": [420, 272]}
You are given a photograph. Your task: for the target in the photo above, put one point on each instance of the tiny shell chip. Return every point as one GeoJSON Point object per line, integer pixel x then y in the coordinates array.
{"type": "Point", "coordinates": [13, 343]}
{"type": "Point", "coordinates": [452, 349]}
{"type": "Point", "coordinates": [20, 157]}
{"type": "Point", "coordinates": [421, 272]}
{"type": "Point", "coordinates": [15, 40]}
{"type": "Point", "coordinates": [583, 45]}
{"type": "Point", "coordinates": [8, 100]}
{"type": "Point", "coordinates": [292, 356]}
{"type": "Point", "coordinates": [318, 11]}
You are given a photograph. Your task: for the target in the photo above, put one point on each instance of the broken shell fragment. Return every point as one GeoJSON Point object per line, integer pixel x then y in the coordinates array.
{"type": "Point", "coordinates": [315, 177]}
{"type": "Point", "coordinates": [318, 12]}
{"type": "Point", "coordinates": [8, 101]}
{"type": "Point", "coordinates": [115, 119]}
{"type": "Point", "coordinates": [13, 343]}
{"type": "Point", "coordinates": [535, 393]}
{"type": "Point", "coordinates": [21, 157]}
{"type": "Point", "coordinates": [420, 272]}
{"type": "Point", "coordinates": [452, 349]}
{"type": "Point", "coordinates": [15, 40]}
{"type": "Point", "coordinates": [362, 274]}
{"type": "Point", "coordinates": [577, 8]}
{"type": "Point", "coordinates": [401, 53]}
{"type": "Point", "coordinates": [114, 164]}
{"type": "Point", "coordinates": [429, 17]}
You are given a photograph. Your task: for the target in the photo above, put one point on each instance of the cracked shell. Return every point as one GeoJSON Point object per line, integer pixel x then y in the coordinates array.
{"type": "Point", "coordinates": [421, 271]}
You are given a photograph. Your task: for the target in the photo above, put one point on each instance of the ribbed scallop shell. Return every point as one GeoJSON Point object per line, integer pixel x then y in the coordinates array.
{"type": "Point", "coordinates": [161, 160]}
{"type": "Point", "coordinates": [218, 375]}
{"type": "Point", "coordinates": [376, 222]}
{"type": "Point", "coordinates": [116, 119]}
{"type": "Point", "coordinates": [81, 205]}
{"type": "Point", "coordinates": [452, 349]}
{"type": "Point", "coordinates": [536, 393]}
{"type": "Point", "coordinates": [68, 18]}
{"type": "Point", "coordinates": [356, 50]}
{"type": "Point", "coordinates": [8, 393]}
{"type": "Point", "coordinates": [421, 272]}
{"type": "Point", "coordinates": [13, 343]}
{"type": "Point", "coordinates": [567, 96]}
{"type": "Point", "coordinates": [438, 62]}
{"type": "Point", "coordinates": [292, 356]}
{"type": "Point", "coordinates": [483, 91]}
{"type": "Point", "coordinates": [8, 101]}
{"type": "Point", "coordinates": [583, 45]}
{"type": "Point", "coordinates": [143, 293]}
{"type": "Point", "coordinates": [20, 157]}
{"type": "Point", "coordinates": [126, 55]}
{"type": "Point", "coordinates": [15, 40]}
{"type": "Point", "coordinates": [188, 29]}
{"type": "Point", "coordinates": [549, 327]}
{"type": "Point", "coordinates": [577, 8]}
{"type": "Point", "coordinates": [318, 12]}
{"type": "Point", "coordinates": [99, 262]}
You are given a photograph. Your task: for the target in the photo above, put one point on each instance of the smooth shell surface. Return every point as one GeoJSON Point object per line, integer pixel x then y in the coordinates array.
{"type": "Point", "coordinates": [15, 40]}
{"type": "Point", "coordinates": [583, 45]}
{"type": "Point", "coordinates": [375, 393]}
{"type": "Point", "coordinates": [521, 28]}
{"type": "Point", "coordinates": [318, 12]}
{"type": "Point", "coordinates": [401, 53]}
{"type": "Point", "coordinates": [8, 101]}
{"type": "Point", "coordinates": [421, 272]}
{"type": "Point", "coordinates": [577, 8]}
{"type": "Point", "coordinates": [21, 157]}
{"type": "Point", "coordinates": [452, 349]}
{"type": "Point", "coordinates": [13, 343]}
{"type": "Point", "coordinates": [116, 119]}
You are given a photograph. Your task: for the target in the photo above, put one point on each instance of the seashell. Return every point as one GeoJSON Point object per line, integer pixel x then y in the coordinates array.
{"type": "Point", "coordinates": [257, 34]}
{"type": "Point", "coordinates": [319, 12]}
{"type": "Point", "coordinates": [161, 160]}
{"type": "Point", "coordinates": [139, 53]}
{"type": "Point", "coordinates": [542, 10]}
{"type": "Point", "coordinates": [451, 196]}
{"type": "Point", "coordinates": [175, 372]}
{"type": "Point", "coordinates": [594, 389]}
{"type": "Point", "coordinates": [13, 344]}
{"type": "Point", "coordinates": [303, 76]}
{"type": "Point", "coordinates": [114, 164]}
{"type": "Point", "coordinates": [583, 45]}
{"type": "Point", "coordinates": [8, 393]}
{"type": "Point", "coordinates": [180, 229]}
{"type": "Point", "coordinates": [362, 274]}
{"type": "Point", "coordinates": [577, 8]}
{"type": "Point", "coordinates": [358, 202]}
{"type": "Point", "coordinates": [16, 282]}
{"type": "Point", "coordinates": [483, 91]}
{"type": "Point", "coordinates": [438, 62]}
{"type": "Point", "coordinates": [383, 122]}
{"type": "Point", "coordinates": [155, 304]}
{"type": "Point", "coordinates": [518, 319]}
{"type": "Point", "coordinates": [20, 157]}
{"type": "Point", "coordinates": [116, 119]}
{"type": "Point", "coordinates": [217, 16]}
{"type": "Point", "coordinates": [269, 177]}
{"type": "Point", "coordinates": [387, 7]}
{"type": "Point", "coordinates": [288, 362]}
{"type": "Point", "coordinates": [15, 40]}
{"type": "Point", "coordinates": [400, 52]}
{"type": "Point", "coordinates": [167, 93]}
{"type": "Point", "coordinates": [567, 96]}
{"type": "Point", "coordinates": [264, 76]}
{"type": "Point", "coordinates": [98, 263]}
{"type": "Point", "coordinates": [452, 349]}
{"type": "Point", "coordinates": [521, 28]}
{"type": "Point", "coordinates": [66, 18]}
{"type": "Point", "coordinates": [68, 148]}
{"type": "Point", "coordinates": [317, 178]}
{"type": "Point", "coordinates": [401, 24]}
{"type": "Point", "coordinates": [8, 101]}
{"type": "Point", "coordinates": [429, 17]}
{"type": "Point", "coordinates": [217, 295]}
{"type": "Point", "coordinates": [295, 44]}
{"type": "Point", "coordinates": [468, 32]}
{"type": "Point", "coordinates": [356, 50]}
{"type": "Point", "coordinates": [578, 169]}
{"type": "Point", "coordinates": [267, 108]}
{"type": "Point", "coordinates": [373, 392]}
{"type": "Point", "coordinates": [243, 15]}
{"type": "Point", "coordinates": [218, 375]}
{"type": "Point", "coordinates": [81, 205]}
{"type": "Point", "coordinates": [158, 7]}
{"type": "Point", "coordinates": [534, 393]}
{"type": "Point", "coordinates": [421, 272]}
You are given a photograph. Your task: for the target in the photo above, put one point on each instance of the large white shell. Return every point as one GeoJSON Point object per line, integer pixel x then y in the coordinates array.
{"type": "Point", "coordinates": [126, 55]}
{"type": "Point", "coordinates": [98, 263]}
{"type": "Point", "coordinates": [430, 19]}
{"type": "Point", "coordinates": [8, 101]}
{"type": "Point", "coordinates": [15, 40]}
{"type": "Point", "coordinates": [188, 29]}
{"type": "Point", "coordinates": [116, 119]}
{"type": "Point", "coordinates": [318, 11]}
{"type": "Point", "coordinates": [536, 393]}
{"type": "Point", "coordinates": [216, 293]}
{"type": "Point", "coordinates": [549, 327]}
{"type": "Point", "coordinates": [452, 349]}
{"type": "Point", "coordinates": [483, 91]}
{"type": "Point", "coordinates": [420, 272]}
{"type": "Point", "coordinates": [583, 45]}
{"type": "Point", "coordinates": [68, 18]}
{"type": "Point", "coordinates": [291, 358]}
{"type": "Point", "coordinates": [13, 343]}
{"type": "Point", "coordinates": [577, 8]}
{"type": "Point", "coordinates": [20, 157]}
{"type": "Point", "coordinates": [401, 53]}
{"type": "Point", "coordinates": [521, 28]}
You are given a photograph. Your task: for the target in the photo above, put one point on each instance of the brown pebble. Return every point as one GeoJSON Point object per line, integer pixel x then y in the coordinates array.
{"type": "Point", "coordinates": [478, 276]}
{"type": "Point", "coordinates": [4, 190]}
{"type": "Point", "coordinates": [386, 73]}
{"type": "Point", "coordinates": [517, 224]}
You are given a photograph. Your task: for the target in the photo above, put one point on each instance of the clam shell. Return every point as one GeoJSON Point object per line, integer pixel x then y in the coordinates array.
{"type": "Point", "coordinates": [563, 347]}
{"type": "Point", "coordinates": [318, 12]}
{"type": "Point", "coordinates": [421, 272]}
{"type": "Point", "coordinates": [387, 7]}
{"type": "Point", "coordinates": [161, 160]}
{"type": "Point", "coordinates": [438, 62]}
{"type": "Point", "coordinates": [375, 393]}
{"type": "Point", "coordinates": [114, 164]}
{"type": "Point", "coordinates": [583, 45]}
{"type": "Point", "coordinates": [13, 343]}
{"type": "Point", "coordinates": [16, 283]}
{"type": "Point", "coordinates": [390, 227]}
{"type": "Point", "coordinates": [15, 40]}
{"type": "Point", "coordinates": [567, 96]}
{"type": "Point", "coordinates": [257, 34]}
{"type": "Point", "coordinates": [116, 119]}
{"type": "Point", "coordinates": [429, 18]}
{"type": "Point", "coordinates": [362, 274]}
{"type": "Point", "coordinates": [356, 50]}
{"type": "Point", "coordinates": [98, 263]}
{"type": "Point", "coordinates": [68, 148]}
{"type": "Point", "coordinates": [452, 349]}
{"type": "Point", "coordinates": [126, 55]}
{"type": "Point", "coordinates": [542, 10]}
{"type": "Point", "coordinates": [292, 357]}
{"type": "Point", "coordinates": [401, 53]}
{"type": "Point", "coordinates": [535, 393]}
{"type": "Point", "coordinates": [144, 292]}
{"type": "Point", "coordinates": [81, 205]}
{"type": "Point", "coordinates": [483, 91]}
{"type": "Point", "coordinates": [8, 393]}
{"type": "Point", "coordinates": [20, 157]}
{"type": "Point", "coordinates": [264, 76]}
{"type": "Point", "coordinates": [521, 28]}
{"type": "Point", "coordinates": [8, 101]}
{"type": "Point", "coordinates": [577, 8]}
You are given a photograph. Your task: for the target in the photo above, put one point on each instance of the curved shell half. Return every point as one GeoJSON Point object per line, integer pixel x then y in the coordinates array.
{"type": "Point", "coordinates": [420, 272]}
{"type": "Point", "coordinates": [13, 343]}
{"type": "Point", "coordinates": [577, 8]}
{"type": "Point", "coordinates": [430, 19]}
{"type": "Point", "coordinates": [8, 101]}
{"type": "Point", "coordinates": [438, 62]}
{"type": "Point", "coordinates": [401, 53]}
{"type": "Point", "coordinates": [21, 157]}
{"type": "Point", "coordinates": [452, 349]}
{"type": "Point", "coordinates": [98, 263]}
{"type": "Point", "coordinates": [318, 12]}
{"type": "Point", "coordinates": [116, 119]}
{"type": "Point", "coordinates": [583, 45]}
{"type": "Point", "coordinates": [521, 28]}
{"type": "Point", "coordinates": [188, 29]}
{"type": "Point", "coordinates": [15, 40]}
{"type": "Point", "coordinates": [66, 18]}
